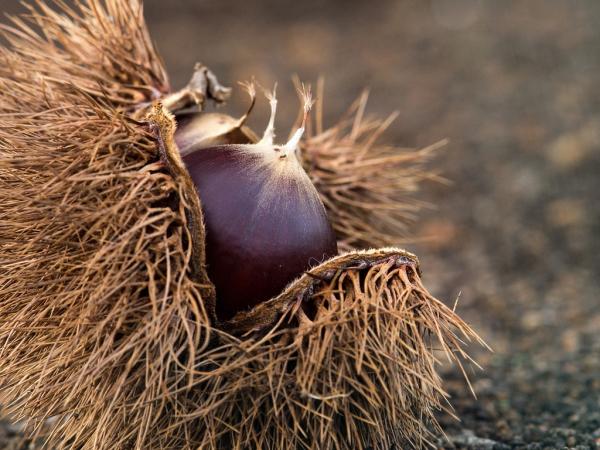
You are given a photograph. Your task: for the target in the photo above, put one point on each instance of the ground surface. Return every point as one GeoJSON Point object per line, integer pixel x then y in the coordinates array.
{"type": "Point", "coordinates": [515, 87]}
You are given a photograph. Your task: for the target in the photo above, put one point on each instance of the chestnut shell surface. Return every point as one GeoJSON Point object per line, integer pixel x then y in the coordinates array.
{"type": "Point", "coordinates": [265, 224]}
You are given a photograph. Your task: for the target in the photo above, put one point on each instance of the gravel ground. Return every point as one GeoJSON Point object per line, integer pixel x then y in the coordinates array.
{"type": "Point", "coordinates": [515, 87]}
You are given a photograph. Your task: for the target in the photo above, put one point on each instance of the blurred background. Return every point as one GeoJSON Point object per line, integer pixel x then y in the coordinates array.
{"type": "Point", "coordinates": [515, 86]}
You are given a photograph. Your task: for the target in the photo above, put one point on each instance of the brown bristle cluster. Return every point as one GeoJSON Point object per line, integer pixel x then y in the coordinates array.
{"type": "Point", "coordinates": [96, 305]}
{"type": "Point", "coordinates": [367, 187]}
{"type": "Point", "coordinates": [108, 328]}
{"type": "Point", "coordinates": [343, 360]}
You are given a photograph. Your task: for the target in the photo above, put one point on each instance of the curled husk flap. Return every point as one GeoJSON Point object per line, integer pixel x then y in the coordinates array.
{"type": "Point", "coordinates": [107, 321]}
{"type": "Point", "coordinates": [346, 361]}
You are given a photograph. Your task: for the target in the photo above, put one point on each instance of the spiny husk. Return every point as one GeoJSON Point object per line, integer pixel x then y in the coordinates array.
{"type": "Point", "coordinates": [99, 316]}
{"type": "Point", "coordinates": [347, 363]}
{"type": "Point", "coordinates": [367, 187]}
{"type": "Point", "coordinates": [99, 313]}
{"type": "Point", "coordinates": [102, 47]}
{"type": "Point", "coordinates": [106, 321]}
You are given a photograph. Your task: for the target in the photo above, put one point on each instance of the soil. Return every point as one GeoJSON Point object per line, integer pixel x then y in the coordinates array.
{"type": "Point", "coordinates": [515, 231]}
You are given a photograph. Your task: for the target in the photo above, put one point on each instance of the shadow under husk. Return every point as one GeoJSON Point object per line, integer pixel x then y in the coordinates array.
{"type": "Point", "coordinates": [107, 322]}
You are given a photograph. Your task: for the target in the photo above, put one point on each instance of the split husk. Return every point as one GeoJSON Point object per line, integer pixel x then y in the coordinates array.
{"type": "Point", "coordinates": [107, 321]}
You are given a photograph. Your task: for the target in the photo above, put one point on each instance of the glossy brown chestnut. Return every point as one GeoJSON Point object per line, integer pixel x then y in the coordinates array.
{"type": "Point", "coordinates": [265, 223]}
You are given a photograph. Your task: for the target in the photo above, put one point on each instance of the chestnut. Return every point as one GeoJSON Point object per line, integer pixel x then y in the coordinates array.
{"type": "Point", "coordinates": [265, 222]}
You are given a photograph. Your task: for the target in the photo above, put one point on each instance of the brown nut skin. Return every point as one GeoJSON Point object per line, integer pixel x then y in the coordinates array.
{"type": "Point", "coordinates": [262, 230]}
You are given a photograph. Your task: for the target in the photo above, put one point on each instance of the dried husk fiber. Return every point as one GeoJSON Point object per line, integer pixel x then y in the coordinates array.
{"type": "Point", "coordinates": [106, 313]}
{"type": "Point", "coordinates": [367, 187]}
